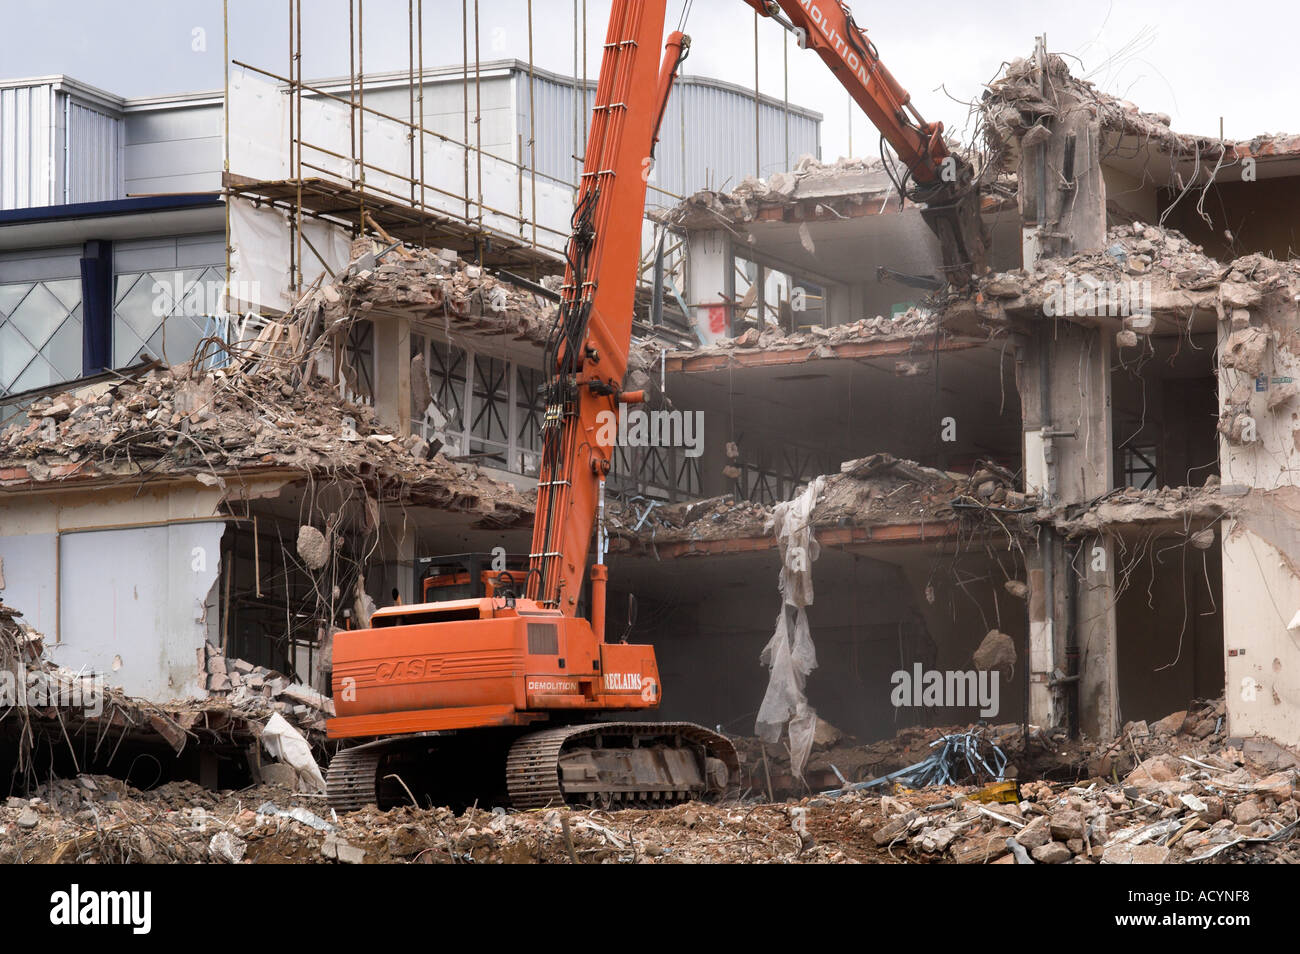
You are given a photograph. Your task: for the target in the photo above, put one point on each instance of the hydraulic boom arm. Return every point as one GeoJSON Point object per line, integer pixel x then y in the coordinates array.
{"type": "Point", "coordinates": [940, 179]}
{"type": "Point", "coordinates": [586, 355]}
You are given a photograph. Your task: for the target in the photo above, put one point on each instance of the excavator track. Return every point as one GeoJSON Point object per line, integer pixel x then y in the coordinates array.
{"type": "Point", "coordinates": [352, 780]}
{"type": "Point", "coordinates": [650, 764]}
{"type": "Point", "coordinates": [608, 764]}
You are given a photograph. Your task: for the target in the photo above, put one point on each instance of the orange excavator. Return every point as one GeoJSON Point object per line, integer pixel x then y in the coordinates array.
{"type": "Point", "coordinates": [472, 699]}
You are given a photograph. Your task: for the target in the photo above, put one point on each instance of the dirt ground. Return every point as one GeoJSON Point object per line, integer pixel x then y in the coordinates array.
{"type": "Point", "coordinates": [1162, 793]}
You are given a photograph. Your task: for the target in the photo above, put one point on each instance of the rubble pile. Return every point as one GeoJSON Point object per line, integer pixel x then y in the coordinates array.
{"type": "Point", "coordinates": [910, 324]}
{"type": "Point", "coordinates": [53, 704]}
{"type": "Point", "coordinates": [428, 284]}
{"type": "Point", "coordinates": [213, 424]}
{"type": "Point", "coordinates": [878, 490]}
{"type": "Point", "coordinates": [102, 820]}
{"type": "Point", "coordinates": [838, 184]}
{"type": "Point", "coordinates": [1015, 105]}
{"type": "Point", "coordinates": [44, 699]}
{"type": "Point", "coordinates": [259, 691]}
{"type": "Point", "coordinates": [1146, 278]}
{"type": "Point", "coordinates": [1188, 795]}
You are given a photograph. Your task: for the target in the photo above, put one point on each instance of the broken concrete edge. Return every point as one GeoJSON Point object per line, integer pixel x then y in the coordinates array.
{"type": "Point", "coordinates": [874, 498]}
{"type": "Point", "coordinates": [1189, 510]}
{"type": "Point", "coordinates": [811, 191]}
{"type": "Point", "coordinates": [1015, 103]}
{"type": "Point", "coordinates": [1145, 272]}
{"type": "Point", "coordinates": [429, 284]}
{"type": "Point", "coordinates": [225, 426]}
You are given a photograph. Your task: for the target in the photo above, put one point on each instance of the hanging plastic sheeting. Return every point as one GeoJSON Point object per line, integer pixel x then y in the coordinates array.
{"type": "Point", "coordinates": [790, 655]}
{"type": "Point", "coordinates": [286, 743]}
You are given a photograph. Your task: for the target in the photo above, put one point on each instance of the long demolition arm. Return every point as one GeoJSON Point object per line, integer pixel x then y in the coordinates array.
{"type": "Point", "coordinates": [586, 355]}
{"type": "Point", "coordinates": [942, 180]}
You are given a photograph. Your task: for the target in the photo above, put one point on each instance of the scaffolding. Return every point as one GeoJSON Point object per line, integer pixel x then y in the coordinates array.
{"type": "Point", "coordinates": [357, 202]}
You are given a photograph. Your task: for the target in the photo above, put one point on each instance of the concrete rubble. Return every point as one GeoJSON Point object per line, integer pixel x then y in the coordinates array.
{"type": "Point", "coordinates": [1167, 797]}
{"type": "Point", "coordinates": [839, 185]}
{"type": "Point", "coordinates": [911, 324]}
{"type": "Point", "coordinates": [872, 491]}
{"type": "Point", "coordinates": [215, 425]}
{"type": "Point", "coordinates": [431, 284]}
{"type": "Point", "coordinates": [58, 705]}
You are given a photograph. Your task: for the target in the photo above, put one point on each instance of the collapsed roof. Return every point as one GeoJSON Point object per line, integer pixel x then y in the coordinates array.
{"type": "Point", "coordinates": [221, 425]}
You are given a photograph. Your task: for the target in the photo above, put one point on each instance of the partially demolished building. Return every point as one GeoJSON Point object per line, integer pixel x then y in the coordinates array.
{"type": "Point", "coordinates": [1077, 473]}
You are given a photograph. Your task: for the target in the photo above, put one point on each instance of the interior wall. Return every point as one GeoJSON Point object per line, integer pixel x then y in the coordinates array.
{"type": "Point", "coordinates": [136, 604]}
{"type": "Point", "coordinates": [1169, 622]}
{"type": "Point", "coordinates": [1263, 216]}
{"type": "Point", "coordinates": [1165, 395]}
{"type": "Point", "coordinates": [869, 620]}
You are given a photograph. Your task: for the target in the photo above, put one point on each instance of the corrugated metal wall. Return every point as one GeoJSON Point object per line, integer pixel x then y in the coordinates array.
{"type": "Point", "coordinates": [94, 161]}
{"type": "Point", "coordinates": [707, 138]}
{"type": "Point", "coordinates": [554, 128]}
{"type": "Point", "coordinates": [47, 136]}
{"type": "Point", "coordinates": [27, 138]}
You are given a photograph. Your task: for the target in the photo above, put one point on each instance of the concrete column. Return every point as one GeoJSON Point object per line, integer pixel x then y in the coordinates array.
{"type": "Point", "coordinates": [398, 562]}
{"type": "Point", "coordinates": [709, 285]}
{"type": "Point", "coordinates": [1261, 544]}
{"type": "Point", "coordinates": [1062, 192]}
{"type": "Point", "coordinates": [393, 373]}
{"type": "Point", "coordinates": [1064, 374]}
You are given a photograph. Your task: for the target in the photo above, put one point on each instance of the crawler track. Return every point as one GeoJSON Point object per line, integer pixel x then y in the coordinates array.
{"type": "Point", "coordinates": [614, 764]}
{"type": "Point", "coordinates": [535, 777]}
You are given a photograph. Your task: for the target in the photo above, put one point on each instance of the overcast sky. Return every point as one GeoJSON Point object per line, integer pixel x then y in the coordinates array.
{"type": "Point", "coordinates": [1197, 61]}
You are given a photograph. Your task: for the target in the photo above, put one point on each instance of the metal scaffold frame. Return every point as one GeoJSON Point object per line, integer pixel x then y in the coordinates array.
{"type": "Point", "coordinates": [312, 191]}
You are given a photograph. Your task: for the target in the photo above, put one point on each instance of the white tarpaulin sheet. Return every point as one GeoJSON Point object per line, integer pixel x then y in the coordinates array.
{"type": "Point", "coordinates": [286, 743]}
{"type": "Point", "coordinates": [259, 257]}
{"type": "Point", "coordinates": [790, 655]}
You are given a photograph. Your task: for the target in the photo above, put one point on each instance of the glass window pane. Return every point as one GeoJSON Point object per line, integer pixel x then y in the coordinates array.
{"type": "Point", "coordinates": [11, 295]}
{"type": "Point", "coordinates": [67, 291]}
{"type": "Point", "coordinates": [491, 396]}
{"type": "Point", "coordinates": [176, 339]}
{"type": "Point", "coordinates": [64, 350]}
{"type": "Point", "coordinates": [123, 285]}
{"type": "Point", "coordinates": [126, 345]}
{"type": "Point", "coordinates": [39, 316]}
{"type": "Point", "coordinates": [143, 307]}
{"type": "Point", "coordinates": [447, 381]}
{"type": "Point", "coordinates": [15, 353]}
{"type": "Point", "coordinates": [39, 374]}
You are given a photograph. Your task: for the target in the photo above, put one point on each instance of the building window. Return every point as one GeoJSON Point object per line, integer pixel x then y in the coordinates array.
{"type": "Point", "coordinates": [164, 314]}
{"type": "Point", "coordinates": [40, 334]}
{"type": "Point", "coordinates": [1140, 466]}
{"type": "Point", "coordinates": [529, 412]}
{"type": "Point", "coordinates": [490, 410]}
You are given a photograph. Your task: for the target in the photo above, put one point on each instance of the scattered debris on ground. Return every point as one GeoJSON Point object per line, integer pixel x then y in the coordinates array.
{"type": "Point", "coordinates": [1182, 796]}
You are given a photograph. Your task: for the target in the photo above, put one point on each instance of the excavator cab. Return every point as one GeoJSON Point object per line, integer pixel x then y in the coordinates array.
{"type": "Point", "coordinates": [470, 576]}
